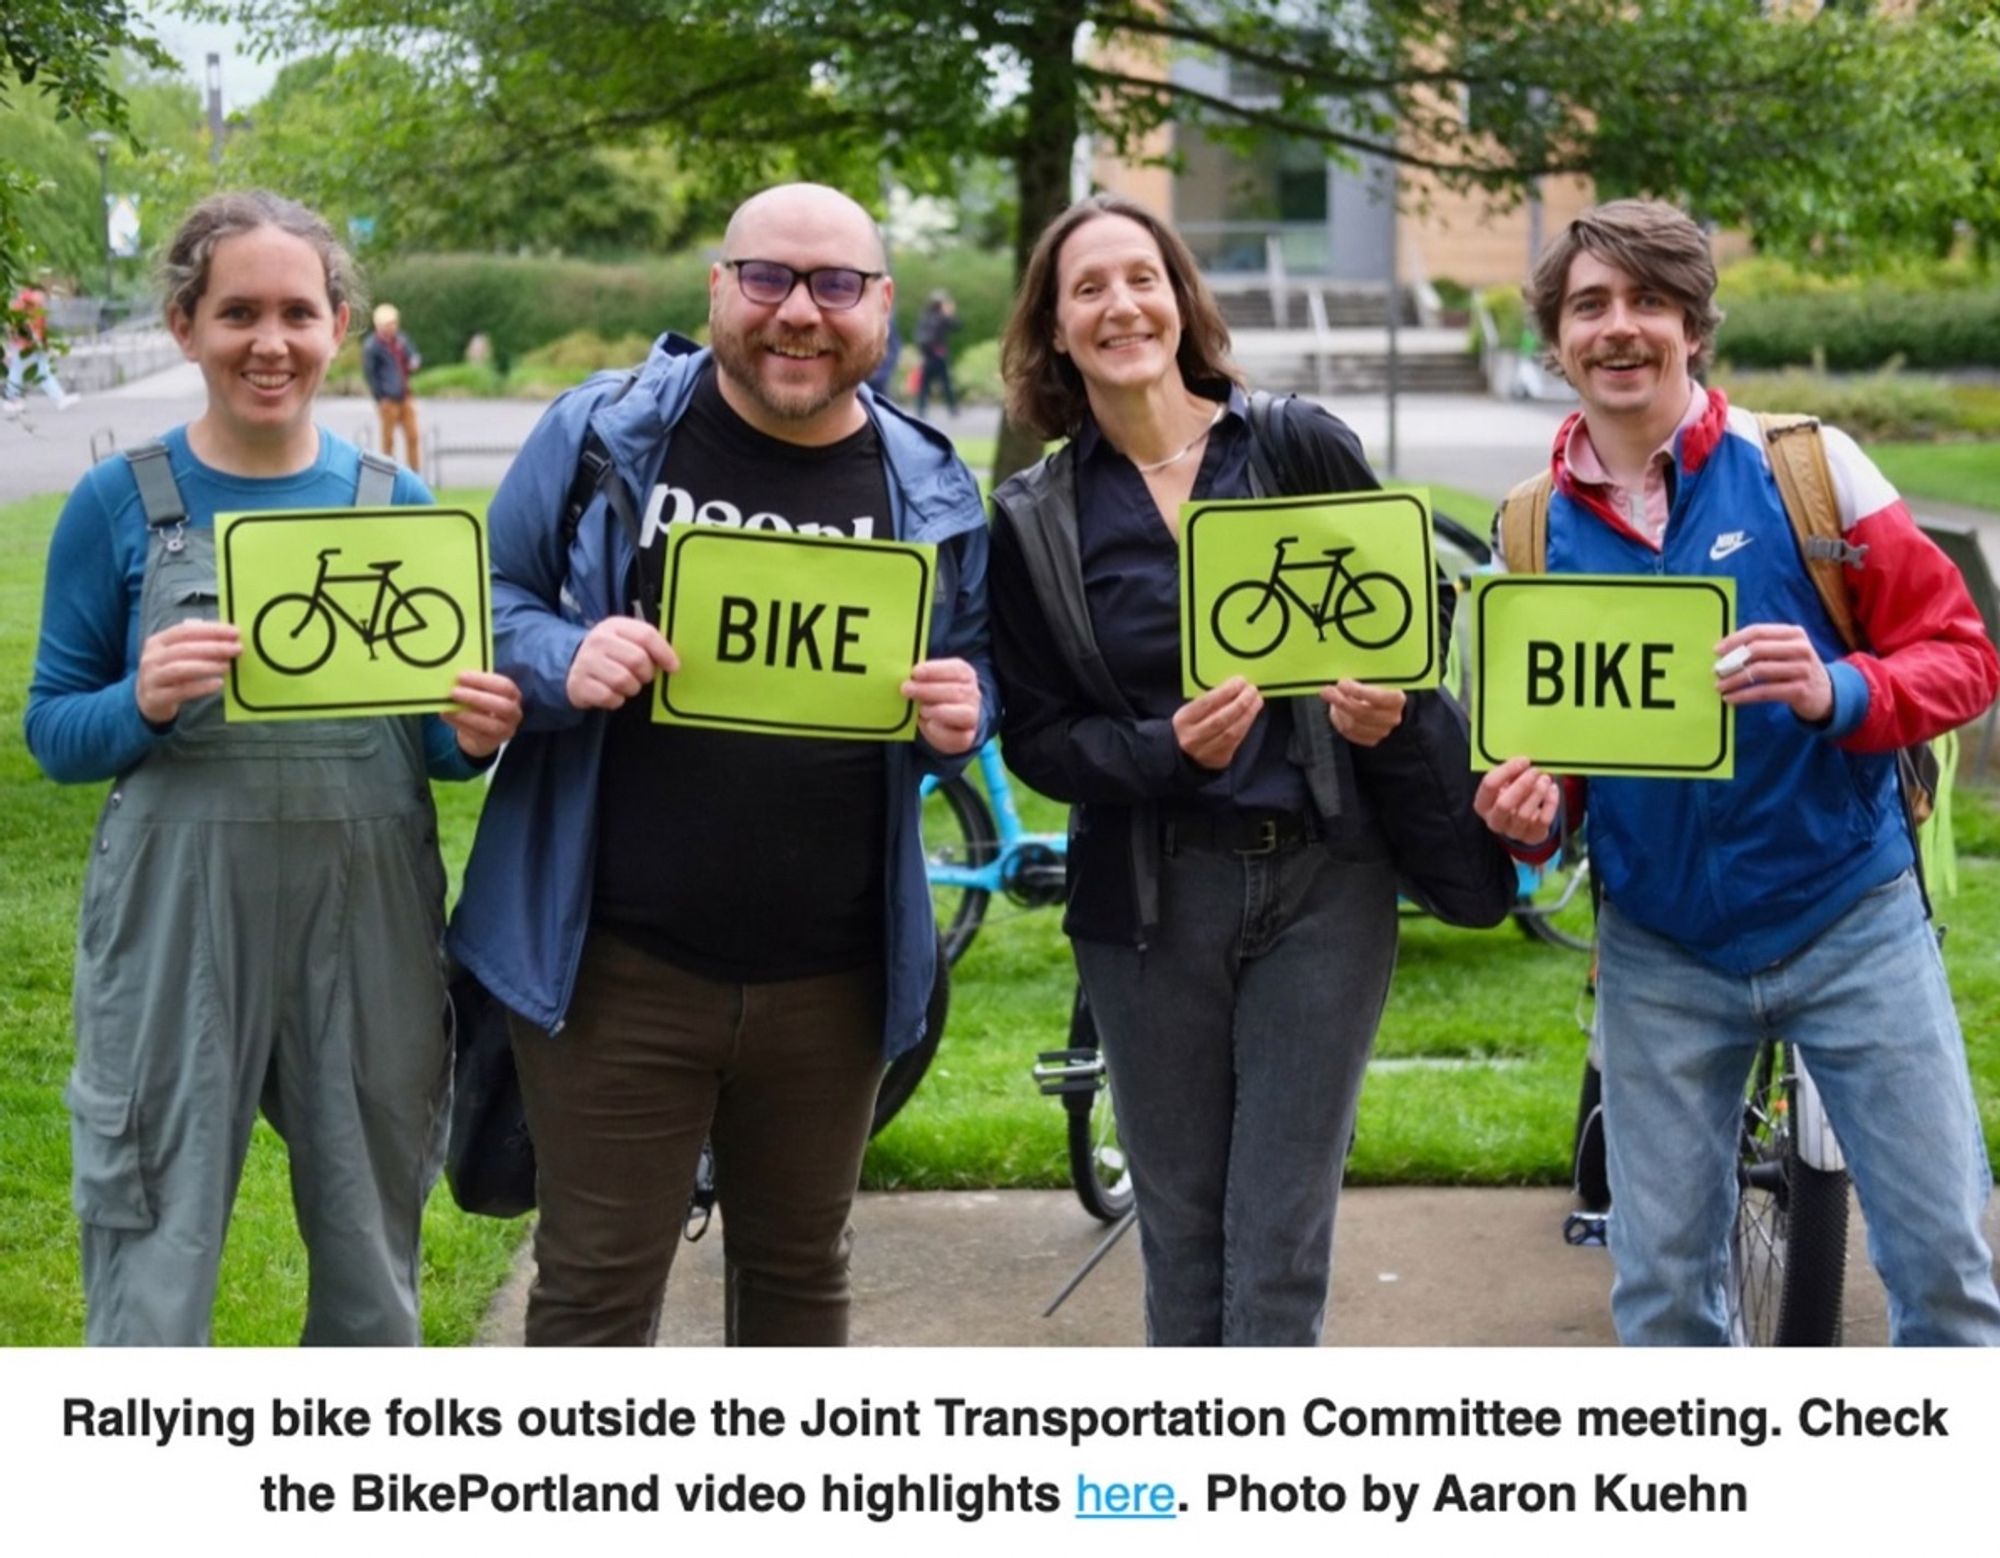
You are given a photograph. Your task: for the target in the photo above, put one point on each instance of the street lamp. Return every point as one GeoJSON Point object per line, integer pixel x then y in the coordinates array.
{"type": "Point", "coordinates": [100, 142]}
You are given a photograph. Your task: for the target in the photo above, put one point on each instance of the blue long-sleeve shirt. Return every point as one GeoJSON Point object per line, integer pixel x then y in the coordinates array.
{"type": "Point", "coordinates": [83, 721]}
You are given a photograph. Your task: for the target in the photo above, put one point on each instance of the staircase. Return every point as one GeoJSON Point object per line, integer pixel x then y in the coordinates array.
{"type": "Point", "coordinates": [1351, 355]}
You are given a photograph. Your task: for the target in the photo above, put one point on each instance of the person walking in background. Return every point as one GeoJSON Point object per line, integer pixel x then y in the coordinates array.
{"type": "Point", "coordinates": [263, 914]}
{"type": "Point", "coordinates": [936, 325]}
{"type": "Point", "coordinates": [388, 360]}
{"type": "Point", "coordinates": [1232, 908]}
{"type": "Point", "coordinates": [28, 351]}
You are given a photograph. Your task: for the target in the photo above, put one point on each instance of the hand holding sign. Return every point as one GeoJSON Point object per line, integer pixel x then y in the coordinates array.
{"type": "Point", "coordinates": [616, 659]}
{"type": "Point", "coordinates": [1779, 665]}
{"type": "Point", "coordinates": [185, 661]}
{"type": "Point", "coordinates": [946, 693]}
{"type": "Point", "coordinates": [1518, 801]}
{"type": "Point", "coordinates": [1210, 728]}
{"type": "Point", "coordinates": [488, 712]}
{"type": "Point", "coordinates": [1363, 714]}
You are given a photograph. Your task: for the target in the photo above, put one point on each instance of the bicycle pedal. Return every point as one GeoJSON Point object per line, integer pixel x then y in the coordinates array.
{"type": "Point", "coordinates": [1582, 1228]}
{"type": "Point", "coordinates": [1059, 1071]}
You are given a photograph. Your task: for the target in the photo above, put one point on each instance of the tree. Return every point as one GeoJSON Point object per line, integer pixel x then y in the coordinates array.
{"type": "Point", "coordinates": [60, 50]}
{"type": "Point", "coordinates": [1842, 129]}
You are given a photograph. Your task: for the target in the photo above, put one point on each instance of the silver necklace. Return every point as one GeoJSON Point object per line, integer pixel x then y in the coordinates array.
{"type": "Point", "coordinates": [1185, 450]}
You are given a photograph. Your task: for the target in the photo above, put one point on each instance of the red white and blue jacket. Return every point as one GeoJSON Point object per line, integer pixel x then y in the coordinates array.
{"type": "Point", "coordinates": [1746, 871]}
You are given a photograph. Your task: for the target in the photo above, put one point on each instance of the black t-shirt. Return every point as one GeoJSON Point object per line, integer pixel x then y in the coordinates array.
{"type": "Point", "coordinates": [745, 858]}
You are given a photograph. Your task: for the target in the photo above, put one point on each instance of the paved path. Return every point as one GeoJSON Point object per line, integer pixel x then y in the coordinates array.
{"type": "Point", "coordinates": [1413, 1267]}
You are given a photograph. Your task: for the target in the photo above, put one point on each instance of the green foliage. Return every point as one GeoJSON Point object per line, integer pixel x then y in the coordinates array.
{"type": "Point", "coordinates": [1889, 404]}
{"type": "Point", "coordinates": [522, 304]}
{"type": "Point", "coordinates": [1950, 473]}
{"type": "Point", "coordinates": [1771, 276]}
{"type": "Point", "coordinates": [980, 281]}
{"type": "Point", "coordinates": [975, 374]}
{"type": "Point", "coordinates": [1856, 329]}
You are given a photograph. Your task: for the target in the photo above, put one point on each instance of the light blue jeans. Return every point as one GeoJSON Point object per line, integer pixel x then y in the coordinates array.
{"type": "Point", "coordinates": [1867, 1003]}
{"type": "Point", "coordinates": [1237, 1040]}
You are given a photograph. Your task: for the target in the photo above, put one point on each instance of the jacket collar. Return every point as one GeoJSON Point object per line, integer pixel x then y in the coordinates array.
{"type": "Point", "coordinates": [1694, 445]}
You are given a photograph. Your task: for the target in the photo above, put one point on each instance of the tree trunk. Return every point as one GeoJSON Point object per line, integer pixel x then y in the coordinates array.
{"type": "Point", "coordinates": [1042, 158]}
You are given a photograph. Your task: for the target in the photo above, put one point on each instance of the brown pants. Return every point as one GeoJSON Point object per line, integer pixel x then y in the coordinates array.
{"type": "Point", "coordinates": [403, 414]}
{"type": "Point", "coordinates": [651, 1062]}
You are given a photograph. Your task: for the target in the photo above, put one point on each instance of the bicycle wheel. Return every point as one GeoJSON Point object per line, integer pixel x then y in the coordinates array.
{"type": "Point", "coordinates": [1788, 1251]}
{"type": "Point", "coordinates": [958, 836]}
{"type": "Point", "coordinates": [425, 628]}
{"type": "Point", "coordinates": [1250, 619]}
{"type": "Point", "coordinates": [907, 1070]}
{"type": "Point", "coordinates": [1560, 911]}
{"type": "Point", "coordinates": [1384, 610]}
{"type": "Point", "coordinates": [293, 634]}
{"type": "Point", "coordinates": [1587, 1167]}
{"type": "Point", "coordinates": [1097, 1166]}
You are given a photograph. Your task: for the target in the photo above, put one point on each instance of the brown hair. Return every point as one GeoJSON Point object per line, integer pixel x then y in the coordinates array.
{"type": "Point", "coordinates": [1044, 390]}
{"type": "Point", "coordinates": [1651, 242]}
{"type": "Point", "coordinates": [184, 265]}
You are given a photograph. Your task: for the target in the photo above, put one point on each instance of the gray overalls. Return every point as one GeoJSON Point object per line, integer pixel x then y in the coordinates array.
{"type": "Point", "coordinates": [262, 924]}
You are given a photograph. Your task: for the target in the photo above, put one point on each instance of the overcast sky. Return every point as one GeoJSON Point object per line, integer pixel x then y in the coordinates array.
{"type": "Point", "coordinates": [244, 79]}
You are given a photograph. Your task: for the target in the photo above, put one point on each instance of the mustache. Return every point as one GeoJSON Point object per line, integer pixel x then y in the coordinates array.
{"type": "Point", "coordinates": [796, 340]}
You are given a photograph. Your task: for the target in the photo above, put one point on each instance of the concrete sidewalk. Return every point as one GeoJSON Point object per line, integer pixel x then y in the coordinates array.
{"type": "Point", "coordinates": [1413, 1267]}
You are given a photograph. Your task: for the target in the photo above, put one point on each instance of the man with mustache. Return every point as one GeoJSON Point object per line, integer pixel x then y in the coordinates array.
{"type": "Point", "coordinates": [1782, 901]}
{"type": "Point", "coordinates": [701, 934]}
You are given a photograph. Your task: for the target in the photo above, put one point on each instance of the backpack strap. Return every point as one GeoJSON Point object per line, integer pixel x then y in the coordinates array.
{"type": "Point", "coordinates": [593, 473]}
{"type": "Point", "coordinates": [1797, 453]}
{"type": "Point", "coordinates": [1521, 528]}
{"type": "Point", "coordinates": [375, 482]}
{"type": "Point", "coordinates": [159, 493]}
{"type": "Point", "coordinates": [1268, 450]}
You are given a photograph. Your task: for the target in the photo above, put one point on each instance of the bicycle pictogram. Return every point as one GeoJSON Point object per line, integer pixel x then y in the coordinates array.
{"type": "Point", "coordinates": [295, 633]}
{"type": "Point", "coordinates": [1369, 610]}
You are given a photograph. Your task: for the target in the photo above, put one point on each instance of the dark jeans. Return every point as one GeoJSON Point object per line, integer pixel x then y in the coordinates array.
{"type": "Point", "coordinates": [651, 1062]}
{"type": "Point", "coordinates": [936, 372]}
{"type": "Point", "coordinates": [1236, 1041]}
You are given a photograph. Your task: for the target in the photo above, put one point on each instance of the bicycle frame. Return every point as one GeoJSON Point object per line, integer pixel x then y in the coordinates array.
{"type": "Point", "coordinates": [385, 592]}
{"type": "Point", "coordinates": [993, 876]}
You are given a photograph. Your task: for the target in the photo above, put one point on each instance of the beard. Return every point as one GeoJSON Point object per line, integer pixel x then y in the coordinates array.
{"type": "Point", "coordinates": [743, 355]}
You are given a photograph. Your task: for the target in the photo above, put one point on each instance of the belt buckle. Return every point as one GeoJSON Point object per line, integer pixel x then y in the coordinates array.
{"type": "Point", "coordinates": [1267, 839]}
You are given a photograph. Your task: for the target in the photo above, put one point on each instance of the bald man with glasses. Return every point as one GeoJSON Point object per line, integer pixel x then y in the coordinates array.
{"type": "Point", "coordinates": [704, 934]}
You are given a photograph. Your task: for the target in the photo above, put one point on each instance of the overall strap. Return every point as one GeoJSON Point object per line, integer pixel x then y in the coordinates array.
{"type": "Point", "coordinates": [153, 470]}
{"type": "Point", "coordinates": [375, 483]}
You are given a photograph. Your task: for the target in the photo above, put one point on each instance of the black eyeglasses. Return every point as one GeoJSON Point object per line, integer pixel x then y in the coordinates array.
{"type": "Point", "coordinates": [835, 288]}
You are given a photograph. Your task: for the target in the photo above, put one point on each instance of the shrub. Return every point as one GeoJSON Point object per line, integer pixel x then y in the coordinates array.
{"type": "Point", "coordinates": [976, 375]}
{"type": "Point", "coordinates": [980, 281]}
{"type": "Point", "coordinates": [1886, 405]}
{"type": "Point", "coordinates": [462, 381]}
{"type": "Point", "coordinates": [1860, 330]}
{"type": "Point", "coordinates": [522, 304]}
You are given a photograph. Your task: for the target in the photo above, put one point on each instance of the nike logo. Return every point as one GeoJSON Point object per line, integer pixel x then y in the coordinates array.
{"type": "Point", "coordinates": [1728, 542]}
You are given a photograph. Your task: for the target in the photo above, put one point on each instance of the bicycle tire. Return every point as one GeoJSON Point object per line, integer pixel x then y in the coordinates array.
{"type": "Point", "coordinates": [1355, 584]}
{"type": "Point", "coordinates": [1098, 1169]}
{"type": "Point", "coordinates": [1788, 1247]}
{"type": "Point", "coordinates": [958, 831]}
{"type": "Point", "coordinates": [428, 616]}
{"type": "Point", "coordinates": [1565, 919]}
{"type": "Point", "coordinates": [1589, 1172]}
{"type": "Point", "coordinates": [1265, 593]}
{"type": "Point", "coordinates": [314, 609]}
{"type": "Point", "coordinates": [906, 1072]}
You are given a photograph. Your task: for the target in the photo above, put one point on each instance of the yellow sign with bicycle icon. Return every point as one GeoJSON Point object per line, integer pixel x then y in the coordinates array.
{"type": "Point", "coordinates": [1294, 593]}
{"type": "Point", "coordinates": [348, 612]}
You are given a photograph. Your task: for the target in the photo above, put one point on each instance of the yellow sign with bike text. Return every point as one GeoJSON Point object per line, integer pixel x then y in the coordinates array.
{"type": "Point", "coordinates": [1294, 593]}
{"type": "Point", "coordinates": [794, 635]}
{"type": "Point", "coordinates": [350, 612]}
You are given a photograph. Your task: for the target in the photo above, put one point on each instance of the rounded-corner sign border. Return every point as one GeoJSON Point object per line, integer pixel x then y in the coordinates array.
{"type": "Point", "coordinates": [921, 554]}
{"type": "Point", "coordinates": [481, 634]}
{"type": "Point", "coordinates": [1725, 732]}
{"type": "Point", "coordinates": [1431, 673]}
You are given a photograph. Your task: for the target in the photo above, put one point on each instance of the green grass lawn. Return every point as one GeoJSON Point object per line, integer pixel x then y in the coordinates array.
{"type": "Point", "coordinates": [1951, 473]}
{"type": "Point", "coordinates": [1475, 1083]}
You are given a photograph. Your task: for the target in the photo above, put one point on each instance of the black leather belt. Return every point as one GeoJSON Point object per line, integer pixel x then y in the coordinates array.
{"type": "Point", "coordinates": [1241, 832]}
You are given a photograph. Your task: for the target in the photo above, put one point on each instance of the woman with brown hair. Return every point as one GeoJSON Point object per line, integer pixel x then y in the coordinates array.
{"type": "Point", "coordinates": [1232, 909]}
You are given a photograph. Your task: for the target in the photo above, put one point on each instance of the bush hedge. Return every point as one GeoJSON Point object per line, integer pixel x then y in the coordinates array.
{"type": "Point", "coordinates": [1870, 406]}
{"type": "Point", "coordinates": [1861, 330]}
{"type": "Point", "coordinates": [523, 304]}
